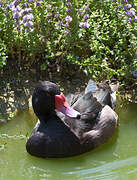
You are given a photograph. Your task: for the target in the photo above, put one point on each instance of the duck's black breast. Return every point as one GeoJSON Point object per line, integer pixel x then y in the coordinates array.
{"type": "Point", "coordinates": [53, 139]}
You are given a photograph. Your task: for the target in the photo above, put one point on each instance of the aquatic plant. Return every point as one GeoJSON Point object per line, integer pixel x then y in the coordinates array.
{"type": "Point", "coordinates": [13, 137]}
{"type": "Point", "coordinates": [3, 147]}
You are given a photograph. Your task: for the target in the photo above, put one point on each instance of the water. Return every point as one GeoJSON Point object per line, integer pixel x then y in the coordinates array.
{"type": "Point", "coordinates": [114, 160]}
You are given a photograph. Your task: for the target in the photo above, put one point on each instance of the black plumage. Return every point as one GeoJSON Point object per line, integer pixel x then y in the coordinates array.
{"type": "Point", "coordinates": [56, 135]}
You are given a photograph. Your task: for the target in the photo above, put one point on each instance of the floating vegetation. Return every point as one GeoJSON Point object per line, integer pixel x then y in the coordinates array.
{"type": "Point", "coordinates": [3, 147]}
{"type": "Point", "coordinates": [13, 137]}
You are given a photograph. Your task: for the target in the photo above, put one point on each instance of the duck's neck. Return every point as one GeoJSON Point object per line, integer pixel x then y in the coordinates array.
{"type": "Point", "coordinates": [46, 117]}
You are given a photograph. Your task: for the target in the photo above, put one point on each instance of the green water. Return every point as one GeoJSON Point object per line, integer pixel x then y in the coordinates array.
{"type": "Point", "coordinates": [116, 159]}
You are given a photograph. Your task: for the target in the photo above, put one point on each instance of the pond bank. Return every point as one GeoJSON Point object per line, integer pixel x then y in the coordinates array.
{"type": "Point", "coordinates": [17, 85]}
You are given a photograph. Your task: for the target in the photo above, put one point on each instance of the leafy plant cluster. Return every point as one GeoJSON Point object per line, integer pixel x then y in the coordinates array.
{"type": "Point", "coordinates": [3, 55]}
{"type": "Point", "coordinates": [98, 36]}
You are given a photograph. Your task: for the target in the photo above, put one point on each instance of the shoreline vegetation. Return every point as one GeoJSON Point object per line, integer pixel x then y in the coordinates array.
{"type": "Point", "coordinates": [68, 42]}
{"type": "Point", "coordinates": [16, 87]}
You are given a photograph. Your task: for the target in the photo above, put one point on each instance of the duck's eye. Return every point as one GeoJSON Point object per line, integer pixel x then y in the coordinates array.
{"type": "Point", "coordinates": [47, 94]}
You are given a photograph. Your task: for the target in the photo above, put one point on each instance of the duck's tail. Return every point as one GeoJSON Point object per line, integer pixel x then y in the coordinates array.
{"type": "Point", "coordinates": [91, 87]}
{"type": "Point", "coordinates": [105, 92]}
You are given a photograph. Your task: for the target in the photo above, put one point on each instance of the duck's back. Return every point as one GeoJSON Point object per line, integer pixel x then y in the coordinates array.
{"type": "Point", "coordinates": [94, 96]}
{"type": "Point", "coordinates": [89, 103]}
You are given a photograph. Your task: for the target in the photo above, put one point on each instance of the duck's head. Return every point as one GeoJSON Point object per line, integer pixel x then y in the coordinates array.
{"type": "Point", "coordinates": [47, 97]}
